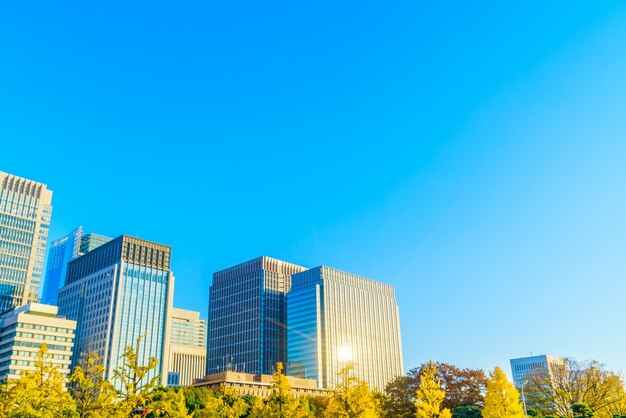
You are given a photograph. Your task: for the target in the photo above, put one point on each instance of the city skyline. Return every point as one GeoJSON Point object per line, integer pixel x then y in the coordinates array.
{"type": "Point", "coordinates": [470, 155]}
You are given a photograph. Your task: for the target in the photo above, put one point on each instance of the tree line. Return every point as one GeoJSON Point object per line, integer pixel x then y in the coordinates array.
{"type": "Point", "coordinates": [433, 390]}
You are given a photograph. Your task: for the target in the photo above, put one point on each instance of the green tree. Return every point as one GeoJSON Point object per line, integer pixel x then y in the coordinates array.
{"type": "Point", "coordinates": [39, 393]}
{"type": "Point", "coordinates": [166, 402]}
{"type": "Point", "coordinates": [94, 396]}
{"type": "Point", "coordinates": [429, 395]}
{"type": "Point", "coordinates": [501, 399]}
{"type": "Point", "coordinates": [351, 397]}
{"type": "Point", "coordinates": [137, 385]}
{"type": "Point", "coordinates": [466, 412]}
{"type": "Point", "coordinates": [582, 410]}
{"type": "Point", "coordinates": [195, 398]}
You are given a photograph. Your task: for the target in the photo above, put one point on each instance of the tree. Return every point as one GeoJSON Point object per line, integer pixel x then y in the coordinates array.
{"type": "Point", "coordinates": [195, 398]}
{"type": "Point", "coordinates": [166, 402]}
{"type": "Point", "coordinates": [137, 385]}
{"type": "Point", "coordinates": [554, 390]}
{"type": "Point", "coordinates": [225, 403]}
{"type": "Point", "coordinates": [463, 387]}
{"type": "Point", "coordinates": [281, 402]}
{"type": "Point", "coordinates": [39, 393]}
{"type": "Point", "coordinates": [351, 397]}
{"type": "Point", "coordinates": [466, 412]}
{"type": "Point", "coordinates": [401, 394]}
{"type": "Point", "coordinates": [93, 394]}
{"type": "Point", "coordinates": [501, 399]}
{"type": "Point", "coordinates": [582, 410]}
{"type": "Point", "coordinates": [429, 396]}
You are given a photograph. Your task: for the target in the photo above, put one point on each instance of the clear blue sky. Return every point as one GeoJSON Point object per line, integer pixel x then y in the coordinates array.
{"type": "Point", "coordinates": [472, 154]}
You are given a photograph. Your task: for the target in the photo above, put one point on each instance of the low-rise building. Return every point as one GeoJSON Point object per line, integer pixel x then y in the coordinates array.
{"type": "Point", "coordinates": [257, 384]}
{"type": "Point", "coordinates": [22, 332]}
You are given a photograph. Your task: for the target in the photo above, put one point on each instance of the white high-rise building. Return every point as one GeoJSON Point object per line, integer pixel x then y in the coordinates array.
{"type": "Point", "coordinates": [22, 332]}
{"type": "Point", "coordinates": [524, 366]}
{"type": "Point", "coordinates": [25, 210]}
{"type": "Point", "coordinates": [333, 318]}
{"type": "Point", "coordinates": [187, 359]}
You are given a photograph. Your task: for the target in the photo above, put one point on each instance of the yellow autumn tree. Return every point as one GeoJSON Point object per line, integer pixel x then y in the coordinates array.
{"type": "Point", "coordinates": [429, 395]}
{"type": "Point", "coordinates": [351, 397]}
{"type": "Point", "coordinates": [39, 393]}
{"type": "Point", "coordinates": [501, 399]}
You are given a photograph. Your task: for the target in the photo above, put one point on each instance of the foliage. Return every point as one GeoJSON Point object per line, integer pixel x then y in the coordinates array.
{"type": "Point", "coordinates": [466, 412]}
{"type": "Point", "coordinates": [134, 378]}
{"type": "Point", "coordinates": [94, 396]}
{"type": "Point", "coordinates": [554, 391]}
{"type": "Point", "coordinates": [463, 387]}
{"type": "Point", "coordinates": [225, 403]}
{"type": "Point", "coordinates": [582, 410]}
{"type": "Point", "coordinates": [351, 397]}
{"type": "Point", "coordinates": [166, 402]}
{"type": "Point", "coordinates": [281, 402]}
{"type": "Point", "coordinates": [38, 393]}
{"type": "Point", "coordinates": [501, 399]}
{"type": "Point", "coordinates": [195, 399]}
{"type": "Point", "coordinates": [429, 396]}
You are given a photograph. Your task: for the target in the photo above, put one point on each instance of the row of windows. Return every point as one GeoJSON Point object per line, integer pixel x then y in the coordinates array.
{"type": "Point", "coordinates": [12, 275]}
{"type": "Point", "coordinates": [14, 261]}
{"type": "Point", "coordinates": [22, 353]}
{"type": "Point", "coordinates": [36, 345]}
{"type": "Point", "coordinates": [46, 328]}
{"type": "Point", "coordinates": [16, 235]}
{"type": "Point", "coordinates": [14, 248]}
{"type": "Point", "coordinates": [43, 337]}
{"type": "Point", "coordinates": [18, 204]}
{"type": "Point", "coordinates": [15, 222]}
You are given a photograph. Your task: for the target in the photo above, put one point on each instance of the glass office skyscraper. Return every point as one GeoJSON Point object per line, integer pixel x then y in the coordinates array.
{"type": "Point", "coordinates": [335, 317]}
{"type": "Point", "coordinates": [25, 210]}
{"type": "Point", "coordinates": [118, 292]}
{"type": "Point", "coordinates": [60, 253]}
{"type": "Point", "coordinates": [247, 327]}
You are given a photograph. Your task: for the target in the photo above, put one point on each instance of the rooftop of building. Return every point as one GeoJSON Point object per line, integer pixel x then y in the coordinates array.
{"type": "Point", "coordinates": [231, 376]}
{"type": "Point", "coordinates": [23, 185]}
{"type": "Point", "coordinates": [261, 263]}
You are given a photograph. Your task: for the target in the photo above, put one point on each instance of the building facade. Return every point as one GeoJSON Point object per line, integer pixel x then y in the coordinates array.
{"type": "Point", "coordinates": [187, 358]}
{"type": "Point", "coordinates": [247, 324]}
{"type": "Point", "coordinates": [523, 367]}
{"type": "Point", "coordinates": [60, 253]}
{"type": "Point", "coordinates": [25, 211]}
{"type": "Point", "coordinates": [117, 293]}
{"type": "Point", "coordinates": [22, 332]}
{"type": "Point", "coordinates": [336, 317]}
{"type": "Point", "coordinates": [258, 384]}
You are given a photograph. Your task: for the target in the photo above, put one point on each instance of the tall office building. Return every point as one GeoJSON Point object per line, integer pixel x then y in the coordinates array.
{"type": "Point", "coordinates": [187, 347]}
{"type": "Point", "coordinates": [25, 210]}
{"type": "Point", "coordinates": [61, 252]}
{"type": "Point", "coordinates": [118, 292]}
{"type": "Point", "coordinates": [22, 332]}
{"type": "Point", "coordinates": [247, 330]}
{"type": "Point", "coordinates": [335, 317]}
{"type": "Point", "coordinates": [523, 367]}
